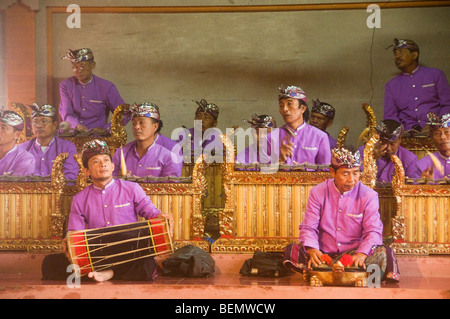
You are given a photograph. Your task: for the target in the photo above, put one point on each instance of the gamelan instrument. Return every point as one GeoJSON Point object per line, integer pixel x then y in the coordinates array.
{"type": "Point", "coordinates": [101, 248]}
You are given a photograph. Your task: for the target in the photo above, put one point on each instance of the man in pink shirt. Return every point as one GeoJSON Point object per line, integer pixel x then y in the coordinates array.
{"type": "Point", "coordinates": [13, 160]}
{"type": "Point", "coordinates": [440, 134]}
{"type": "Point", "coordinates": [342, 217]}
{"type": "Point", "coordinates": [106, 202]}
{"type": "Point", "coordinates": [296, 142]}
{"type": "Point", "coordinates": [86, 99]}
{"type": "Point", "coordinates": [45, 146]}
{"type": "Point", "coordinates": [145, 156]}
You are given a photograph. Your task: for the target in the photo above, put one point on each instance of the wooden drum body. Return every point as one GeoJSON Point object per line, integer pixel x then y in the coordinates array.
{"type": "Point", "coordinates": [102, 248]}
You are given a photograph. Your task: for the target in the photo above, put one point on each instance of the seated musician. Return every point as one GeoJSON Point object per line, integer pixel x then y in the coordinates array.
{"type": "Point", "coordinates": [437, 165]}
{"type": "Point", "coordinates": [107, 202]}
{"type": "Point", "coordinates": [13, 160]}
{"type": "Point", "coordinates": [45, 146]}
{"type": "Point", "coordinates": [298, 142]}
{"type": "Point", "coordinates": [143, 156]}
{"type": "Point", "coordinates": [390, 132]}
{"type": "Point", "coordinates": [322, 116]}
{"type": "Point", "coordinates": [203, 137]}
{"type": "Point", "coordinates": [86, 99]}
{"type": "Point", "coordinates": [416, 91]}
{"type": "Point", "coordinates": [342, 217]}
{"type": "Point", "coordinates": [261, 125]}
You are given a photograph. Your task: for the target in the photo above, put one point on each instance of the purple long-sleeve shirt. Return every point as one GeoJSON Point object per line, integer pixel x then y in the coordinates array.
{"type": "Point", "coordinates": [426, 162]}
{"type": "Point", "coordinates": [87, 104]}
{"type": "Point", "coordinates": [249, 155]}
{"type": "Point", "coordinates": [311, 145]}
{"type": "Point", "coordinates": [158, 161]}
{"type": "Point", "coordinates": [409, 97]}
{"type": "Point", "coordinates": [120, 202]}
{"type": "Point", "coordinates": [17, 162]}
{"type": "Point", "coordinates": [386, 168]}
{"type": "Point", "coordinates": [336, 222]}
{"type": "Point", "coordinates": [332, 140]}
{"type": "Point", "coordinates": [44, 160]}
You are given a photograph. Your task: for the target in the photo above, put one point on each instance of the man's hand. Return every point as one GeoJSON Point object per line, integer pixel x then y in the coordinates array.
{"type": "Point", "coordinates": [169, 218]}
{"type": "Point", "coordinates": [428, 173]}
{"type": "Point", "coordinates": [82, 128]}
{"type": "Point", "coordinates": [286, 149]}
{"type": "Point", "coordinates": [379, 150]}
{"type": "Point", "coordinates": [314, 257]}
{"type": "Point", "coordinates": [358, 260]}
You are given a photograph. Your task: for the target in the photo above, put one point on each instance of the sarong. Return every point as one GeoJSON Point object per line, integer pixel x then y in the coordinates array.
{"type": "Point", "coordinates": [296, 258]}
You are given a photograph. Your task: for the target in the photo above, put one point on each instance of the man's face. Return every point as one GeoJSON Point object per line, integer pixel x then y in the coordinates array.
{"type": "Point", "coordinates": [208, 121]}
{"type": "Point", "coordinates": [441, 138]}
{"type": "Point", "coordinates": [143, 128]}
{"type": "Point", "coordinates": [320, 121]}
{"type": "Point", "coordinates": [83, 70]}
{"type": "Point", "coordinates": [290, 110]}
{"type": "Point", "coordinates": [391, 146]}
{"type": "Point", "coordinates": [404, 58]}
{"type": "Point", "coordinates": [8, 134]}
{"type": "Point", "coordinates": [100, 167]}
{"type": "Point", "coordinates": [345, 178]}
{"type": "Point", "coordinates": [43, 127]}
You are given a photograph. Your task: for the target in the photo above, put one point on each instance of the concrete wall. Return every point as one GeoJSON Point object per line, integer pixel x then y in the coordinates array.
{"type": "Point", "coordinates": [238, 59]}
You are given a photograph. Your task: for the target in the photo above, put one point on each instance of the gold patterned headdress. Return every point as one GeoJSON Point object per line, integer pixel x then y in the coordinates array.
{"type": "Point", "coordinates": [344, 157]}
{"type": "Point", "coordinates": [92, 148]}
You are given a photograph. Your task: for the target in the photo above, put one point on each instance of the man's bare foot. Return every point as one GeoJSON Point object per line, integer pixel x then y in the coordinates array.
{"type": "Point", "coordinates": [101, 275]}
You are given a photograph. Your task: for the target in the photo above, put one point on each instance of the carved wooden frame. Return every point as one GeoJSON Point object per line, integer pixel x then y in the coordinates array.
{"type": "Point", "coordinates": [432, 224]}
{"type": "Point", "coordinates": [54, 189]}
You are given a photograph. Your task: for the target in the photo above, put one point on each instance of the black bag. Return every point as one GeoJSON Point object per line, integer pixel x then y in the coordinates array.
{"type": "Point", "coordinates": [189, 261]}
{"type": "Point", "coordinates": [264, 264]}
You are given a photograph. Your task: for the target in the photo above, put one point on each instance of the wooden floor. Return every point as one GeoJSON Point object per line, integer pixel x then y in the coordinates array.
{"type": "Point", "coordinates": [422, 278]}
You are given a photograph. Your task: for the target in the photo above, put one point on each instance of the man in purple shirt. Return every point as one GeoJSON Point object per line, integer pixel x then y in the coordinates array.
{"type": "Point", "coordinates": [390, 133]}
{"type": "Point", "coordinates": [13, 160]}
{"type": "Point", "coordinates": [144, 156]}
{"type": "Point", "coordinates": [87, 99]}
{"type": "Point", "coordinates": [260, 125]}
{"type": "Point", "coordinates": [438, 168]}
{"type": "Point", "coordinates": [204, 137]}
{"type": "Point", "coordinates": [342, 217]}
{"type": "Point", "coordinates": [416, 91]}
{"type": "Point", "coordinates": [45, 146]}
{"type": "Point", "coordinates": [322, 116]}
{"type": "Point", "coordinates": [296, 142]}
{"type": "Point", "coordinates": [106, 202]}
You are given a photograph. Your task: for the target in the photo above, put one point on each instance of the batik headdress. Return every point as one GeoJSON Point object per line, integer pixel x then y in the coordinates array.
{"type": "Point", "coordinates": [43, 110]}
{"type": "Point", "coordinates": [390, 133]}
{"type": "Point", "coordinates": [400, 44]}
{"type": "Point", "coordinates": [291, 91]}
{"type": "Point", "coordinates": [343, 157]}
{"type": "Point", "coordinates": [264, 121]}
{"type": "Point", "coordinates": [79, 55]}
{"type": "Point", "coordinates": [12, 118]}
{"type": "Point", "coordinates": [92, 148]}
{"type": "Point", "coordinates": [206, 107]}
{"type": "Point", "coordinates": [145, 109]}
{"type": "Point", "coordinates": [323, 108]}
{"type": "Point", "coordinates": [437, 121]}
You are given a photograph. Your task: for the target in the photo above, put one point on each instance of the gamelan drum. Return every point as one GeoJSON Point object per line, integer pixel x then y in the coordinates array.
{"type": "Point", "coordinates": [101, 248]}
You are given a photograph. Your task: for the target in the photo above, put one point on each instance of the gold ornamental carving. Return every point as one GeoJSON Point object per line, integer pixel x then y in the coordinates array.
{"type": "Point", "coordinates": [422, 222]}
{"type": "Point", "coordinates": [31, 212]}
